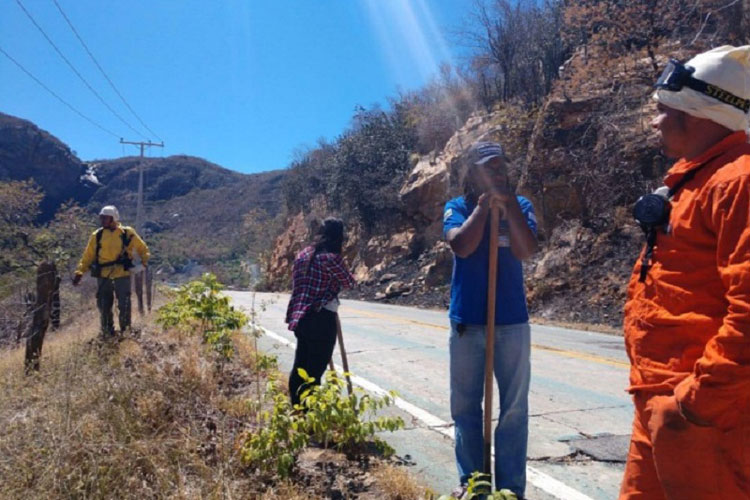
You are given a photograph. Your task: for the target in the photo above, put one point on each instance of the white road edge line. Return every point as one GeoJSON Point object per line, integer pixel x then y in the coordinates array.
{"type": "Point", "coordinates": [536, 477]}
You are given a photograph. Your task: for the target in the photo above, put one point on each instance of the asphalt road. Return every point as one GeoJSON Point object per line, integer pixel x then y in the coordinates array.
{"type": "Point", "coordinates": [580, 413]}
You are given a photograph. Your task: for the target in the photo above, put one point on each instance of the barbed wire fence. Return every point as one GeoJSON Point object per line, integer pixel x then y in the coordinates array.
{"type": "Point", "coordinates": [33, 303]}
{"type": "Point", "coordinates": [29, 300]}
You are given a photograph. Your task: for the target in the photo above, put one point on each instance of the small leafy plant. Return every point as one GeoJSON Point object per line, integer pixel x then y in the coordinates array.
{"type": "Point", "coordinates": [265, 363]}
{"type": "Point", "coordinates": [325, 416]}
{"type": "Point", "coordinates": [201, 304]}
{"type": "Point", "coordinates": [480, 486]}
{"type": "Point", "coordinates": [279, 438]}
{"type": "Point", "coordinates": [344, 422]}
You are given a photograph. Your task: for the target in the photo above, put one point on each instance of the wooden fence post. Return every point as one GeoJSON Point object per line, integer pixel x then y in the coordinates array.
{"type": "Point", "coordinates": [138, 279]}
{"type": "Point", "coordinates": [149, 287]}
{"type": "Point", "coordinates": [55, 311]}
{"type": "Point", "coordinates": [47, 281]}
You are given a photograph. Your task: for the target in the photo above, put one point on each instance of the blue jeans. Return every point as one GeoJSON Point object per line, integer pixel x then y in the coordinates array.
{"type": "Point", "coordinates": [513, 373]}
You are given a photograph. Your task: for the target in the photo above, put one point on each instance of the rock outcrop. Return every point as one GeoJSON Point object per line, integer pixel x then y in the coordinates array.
{"type": "Point", "coordinates": [414, 248]}
{"type": "Point", "coordinates": [278, 267]}
{"type": "Point", "coordinates": [582, 158]}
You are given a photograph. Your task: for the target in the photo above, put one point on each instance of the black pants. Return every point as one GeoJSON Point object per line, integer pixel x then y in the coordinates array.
{"type": "Point", "coordinates": [316, 337]}
{"type": "Point", "coordinates": [105, 300]}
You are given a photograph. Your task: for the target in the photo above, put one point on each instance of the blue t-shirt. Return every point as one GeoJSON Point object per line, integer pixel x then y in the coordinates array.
{"type": "Point", "coordinates": [469, 280]}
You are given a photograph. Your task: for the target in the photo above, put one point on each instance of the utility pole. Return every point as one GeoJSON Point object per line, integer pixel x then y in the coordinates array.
{"type": "Point", "coordinates": [139, 206]}
{"type": "Point", "coordinates": [139, 224]}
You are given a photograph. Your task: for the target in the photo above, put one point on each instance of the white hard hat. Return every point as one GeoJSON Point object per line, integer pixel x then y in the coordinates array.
{"type": "Point", "coordinates": [110, 210]}
{"type": "Point", "coordinates": [727, 68]}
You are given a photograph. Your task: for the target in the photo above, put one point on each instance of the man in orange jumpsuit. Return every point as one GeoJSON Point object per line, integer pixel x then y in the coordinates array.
{"type": "Point", "coordinates": [687, 317]}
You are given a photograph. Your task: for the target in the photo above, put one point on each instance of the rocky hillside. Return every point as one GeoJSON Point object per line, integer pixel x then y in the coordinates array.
{"type": "Point", "coordinates": [582, 158]}
{"type": "Point", "coordinates": [28, 152]}
{"type": "Point", "coordinates": [565, 86]}
{"type": "Point", "coordinates": [196, 212]}
{"type": "Point", "coordinates": [569, 98]}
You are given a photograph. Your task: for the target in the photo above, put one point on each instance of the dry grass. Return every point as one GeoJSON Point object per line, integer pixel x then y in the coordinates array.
{"type": "Point", "coordinates": [397, 484]}
{"type": "Point", "coordinates": [289, 491]}
{"type": "Point", "coordinates": [152, 416]}
{"type": "Point", "coordinates": [141, 418]}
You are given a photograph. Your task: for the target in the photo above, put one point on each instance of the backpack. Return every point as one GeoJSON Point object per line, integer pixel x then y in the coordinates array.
{"type": "Point", "coordinates": [123, 259]}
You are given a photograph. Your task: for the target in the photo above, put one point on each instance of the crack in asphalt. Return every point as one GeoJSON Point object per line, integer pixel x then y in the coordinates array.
{"type": "Point", "coordinates": [390, 349]}
{"type": "Point", "coordinates": [559, 412]}
{"type": "Point", "coordinates": [574, 456]}
{"type": "Point", "coordinates": [546, 417]}
{"type": "Point", "coordinates": [434, 428]}
{"type": "Point", "coordinates": [570, 457]}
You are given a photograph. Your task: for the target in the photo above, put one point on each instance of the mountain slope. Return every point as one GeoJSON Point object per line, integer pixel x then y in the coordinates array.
{"type": "Point", "coordinates": [196, 213]}
{"type": "Point", "coordinates": [28, 152]}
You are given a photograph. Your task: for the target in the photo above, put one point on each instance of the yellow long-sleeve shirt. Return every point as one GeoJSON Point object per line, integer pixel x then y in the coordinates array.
{"type": "Point", "coordinates": [110, 249]}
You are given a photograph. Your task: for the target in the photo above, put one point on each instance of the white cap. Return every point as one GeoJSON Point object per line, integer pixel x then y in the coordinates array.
{"type": "Point", "coordinates": [726, 67]}
{"type": "Point", "coordinates": [110, 210]}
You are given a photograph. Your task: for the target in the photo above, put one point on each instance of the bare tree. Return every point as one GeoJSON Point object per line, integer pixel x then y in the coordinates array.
{"type": "Point", "coordinates": [519, 48]}
{"type": "Point", "coordinates": [628, 27]}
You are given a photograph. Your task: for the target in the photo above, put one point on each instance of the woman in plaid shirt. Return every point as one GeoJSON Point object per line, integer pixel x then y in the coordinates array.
{"type": "Point", "coordinates": [318, 275]}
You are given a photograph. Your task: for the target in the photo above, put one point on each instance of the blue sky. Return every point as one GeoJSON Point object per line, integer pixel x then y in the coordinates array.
{"type": "Point", "coordinates": [241, 83]}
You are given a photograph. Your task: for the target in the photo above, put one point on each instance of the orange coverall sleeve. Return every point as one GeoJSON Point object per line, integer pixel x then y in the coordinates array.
{"type": "Point", "coordinates": [719, 387]}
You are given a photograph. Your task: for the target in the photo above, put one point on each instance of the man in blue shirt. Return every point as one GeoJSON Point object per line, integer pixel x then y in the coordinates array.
{"type": "Point", "coordinates": [466, 227]}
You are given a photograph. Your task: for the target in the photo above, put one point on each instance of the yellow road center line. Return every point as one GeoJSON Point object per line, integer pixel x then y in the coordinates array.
{"type": "Point", "coordinates": [582, 355]}
{"type": "Point", "coordinates": [393, 318]}
{"type": "Point", "coordinates": [563, 352]}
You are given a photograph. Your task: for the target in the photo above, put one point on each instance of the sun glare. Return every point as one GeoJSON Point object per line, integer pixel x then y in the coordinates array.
{"type": "Point", "coordinates": [409, 37]}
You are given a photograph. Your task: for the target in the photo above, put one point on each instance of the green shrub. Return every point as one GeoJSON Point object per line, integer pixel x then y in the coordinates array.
{"type": "Point", "coordinates": [325, 416]}
{"type": "Point", "coordinates": [200, 304]}
{"type": "Point", "coordinates": [480, 486]}
{"type": "Point", "coordinates": [344, 421]}
{"type": "Point", "coordinates": [359, 175]}
{"type": "Point", "coordinates": [279, 437]}
{"type": "Point", "coordinates": [265, 363]}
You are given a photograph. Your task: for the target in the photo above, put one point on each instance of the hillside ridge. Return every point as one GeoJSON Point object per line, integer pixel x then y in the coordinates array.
{"type": "Point", "coordinates": [195, 210]}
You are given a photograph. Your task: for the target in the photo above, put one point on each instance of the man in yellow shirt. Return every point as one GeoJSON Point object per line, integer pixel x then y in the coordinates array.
{"type": "Point", "coordinates": [109, 255]}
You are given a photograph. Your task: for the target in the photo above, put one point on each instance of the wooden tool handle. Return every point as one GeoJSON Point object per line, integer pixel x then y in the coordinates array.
{"type": "Point", "coordinates": [489, 354]}
{"type": "Point", "coordinates": [344, 361]}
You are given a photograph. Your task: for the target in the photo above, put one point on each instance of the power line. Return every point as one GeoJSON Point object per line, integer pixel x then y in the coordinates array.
{"type": "Point", "coordinates": [59, 52]}
{"type": "Point", "coordinates": [57, 96]}
{"type": "Point", "coordinates": [75, 32]}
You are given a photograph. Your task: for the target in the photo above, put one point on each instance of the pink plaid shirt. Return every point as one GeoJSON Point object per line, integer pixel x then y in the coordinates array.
{"type": "Point", "coordinates": [315, 288]}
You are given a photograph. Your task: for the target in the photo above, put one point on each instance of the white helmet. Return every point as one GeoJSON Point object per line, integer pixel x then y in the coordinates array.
{"type": "Point", "coordinates": [110, 210]}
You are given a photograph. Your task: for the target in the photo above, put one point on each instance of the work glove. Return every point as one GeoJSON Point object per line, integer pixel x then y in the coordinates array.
{"type": "Point", "coordinates": [77, 279]}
